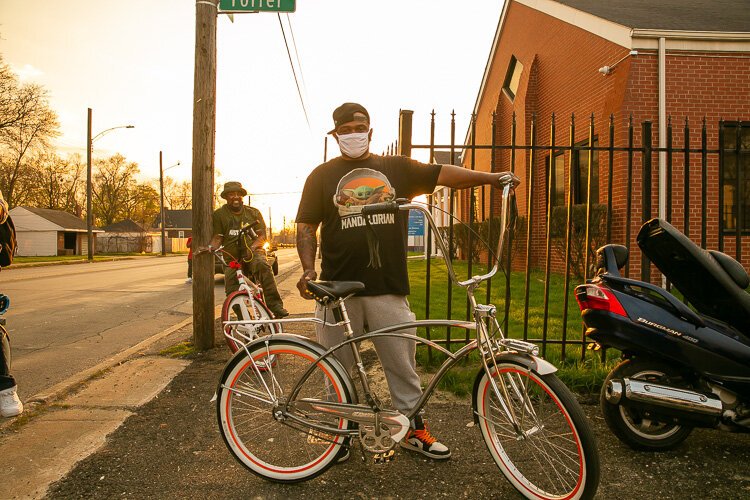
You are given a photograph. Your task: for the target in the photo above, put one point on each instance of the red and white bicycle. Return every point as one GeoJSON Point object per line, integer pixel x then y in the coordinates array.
{"type": "Point", "coordinates": [244, 306]}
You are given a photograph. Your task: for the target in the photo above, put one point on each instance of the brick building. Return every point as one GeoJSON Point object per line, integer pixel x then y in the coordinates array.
{"type": "Point", "coordinates": [684, 59]}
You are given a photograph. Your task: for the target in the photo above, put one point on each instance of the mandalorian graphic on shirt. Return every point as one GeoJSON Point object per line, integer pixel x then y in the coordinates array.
{"type": "Point", "coordinates": [334, 195]}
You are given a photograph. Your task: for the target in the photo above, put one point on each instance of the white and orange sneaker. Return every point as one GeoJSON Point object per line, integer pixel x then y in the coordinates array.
{"type": "Point", "coordinates": [421, 440]}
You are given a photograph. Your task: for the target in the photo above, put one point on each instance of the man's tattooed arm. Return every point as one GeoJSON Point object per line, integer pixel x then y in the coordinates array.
{"type": "Point", "coordinates": [307, 245]}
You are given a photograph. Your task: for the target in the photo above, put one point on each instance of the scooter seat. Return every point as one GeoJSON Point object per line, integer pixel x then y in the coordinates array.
{"type": "Point", "coordinates": [711, 281]}
{"type": "Point", "coordinates": [733, 268]}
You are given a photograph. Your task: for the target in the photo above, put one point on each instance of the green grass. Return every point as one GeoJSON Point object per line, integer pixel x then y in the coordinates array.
{"type": "Point", "coordinates": [581, 375]}
{"type": "Point", "coordinates": [78, 258]}
{"type": "Point", "coordinates": [184, 349]}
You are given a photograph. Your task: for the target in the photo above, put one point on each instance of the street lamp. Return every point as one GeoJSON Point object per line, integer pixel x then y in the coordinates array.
{"type": "Point", "coordinates": [89, 149]}
{"type": "Point", "coordinates": [161, 203]}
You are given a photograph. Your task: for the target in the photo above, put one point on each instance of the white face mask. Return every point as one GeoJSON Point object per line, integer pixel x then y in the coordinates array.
{"type": "Point", "coordinates": [354, 145]}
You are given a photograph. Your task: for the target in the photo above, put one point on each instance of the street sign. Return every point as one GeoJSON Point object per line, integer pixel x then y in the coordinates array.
{"type": "Point", "coordinates": [416, 223]}
{"type": "Point", "coordinates": [257, 5]}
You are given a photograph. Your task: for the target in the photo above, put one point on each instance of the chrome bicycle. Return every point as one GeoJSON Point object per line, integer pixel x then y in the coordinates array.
{"type": "Point", "coordinates": [292, 420]}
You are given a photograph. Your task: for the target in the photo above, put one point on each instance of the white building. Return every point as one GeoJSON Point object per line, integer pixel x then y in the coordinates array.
{"type": "Point", "coordinates": [42, 232]}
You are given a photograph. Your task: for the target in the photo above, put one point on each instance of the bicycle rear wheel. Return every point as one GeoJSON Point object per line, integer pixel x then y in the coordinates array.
{"type": "Point", "coordinates": [240, 306]}
{"type": "Point", "coordinates": [550, 452]}
{"type": "Point", "coordinates": [250, 402]}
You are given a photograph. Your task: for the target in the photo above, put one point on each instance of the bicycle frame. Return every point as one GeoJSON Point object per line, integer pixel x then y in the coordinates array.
{"type": "Point", "coordinates": [491, 343]}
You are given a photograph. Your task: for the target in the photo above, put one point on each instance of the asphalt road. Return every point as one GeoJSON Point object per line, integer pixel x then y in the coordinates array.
{"type": "Point", "coordinates": [67, 318]}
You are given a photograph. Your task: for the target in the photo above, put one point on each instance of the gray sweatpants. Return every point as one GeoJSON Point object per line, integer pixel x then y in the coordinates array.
{"type": "Point", "coordinates": [396, 354]}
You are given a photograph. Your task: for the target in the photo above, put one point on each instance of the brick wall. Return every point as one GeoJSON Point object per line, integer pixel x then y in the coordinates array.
{"type": "Point", "coordinates": [561, 76]}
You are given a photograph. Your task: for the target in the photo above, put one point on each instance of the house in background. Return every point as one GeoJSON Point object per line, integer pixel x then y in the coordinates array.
{"type": "Point", "coordinates": [43, 232]}
{"type": "Point", "coordinates": [178, 227]}
{"type": "Point", "coordinates": [127, 236]}
{"type": "Point", "coordinates": [640, 58]}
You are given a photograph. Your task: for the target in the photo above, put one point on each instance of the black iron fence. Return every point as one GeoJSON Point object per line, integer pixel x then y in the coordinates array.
{"type": "Point", "coordinates": [578, 193]}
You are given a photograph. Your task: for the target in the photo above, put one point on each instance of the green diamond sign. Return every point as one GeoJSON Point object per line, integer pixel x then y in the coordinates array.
{"type": "Point", "coordinates": [257, 5]}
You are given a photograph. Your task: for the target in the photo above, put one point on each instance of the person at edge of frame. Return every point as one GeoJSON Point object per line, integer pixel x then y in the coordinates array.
{"type": "Point", "coordinates": [227, 222]}
{"type": "Point", "coordinates": [333, 196]}
{"type": "Point", "coordinates": [189, 244]}
{"type": "Point", "coordinates": [10, 403]}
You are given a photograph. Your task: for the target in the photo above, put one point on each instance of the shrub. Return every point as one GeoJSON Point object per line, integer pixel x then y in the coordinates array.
{"type": "Point", "coordinates": [597, 233]}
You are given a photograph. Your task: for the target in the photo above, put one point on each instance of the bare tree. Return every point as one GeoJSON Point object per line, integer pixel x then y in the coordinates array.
{"type": "Point", "coordinates": [17, 101]}
{"type": "Point", "coordinates": [114, 179]}
{"type": "Point", "coordinates": [60, 183]}
{"type": "Point", "coordinates": [27, 123]}
{"type": "Point", "coordinates": [143, 204]}
{"type": "Point", "coordinates": [177, 196]}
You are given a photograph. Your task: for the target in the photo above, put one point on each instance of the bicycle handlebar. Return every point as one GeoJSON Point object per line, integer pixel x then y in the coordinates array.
{"type": "Point", "coordinates": [507, 220]}
{"type": "Point", "coordinates": [250, 229]}
{"type": "Point", "coordinates": [385, 207]}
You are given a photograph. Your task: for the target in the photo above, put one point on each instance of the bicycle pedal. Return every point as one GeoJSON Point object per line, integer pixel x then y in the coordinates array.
{"type": "Point", "coordinates": [384, 458]}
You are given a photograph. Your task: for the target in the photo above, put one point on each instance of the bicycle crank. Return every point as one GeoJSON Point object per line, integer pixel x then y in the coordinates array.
{"type": "Point", "coordinates": [378, 431]}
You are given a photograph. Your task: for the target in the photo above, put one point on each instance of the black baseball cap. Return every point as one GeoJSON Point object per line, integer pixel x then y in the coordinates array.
{"type": "Point", "coordinates": [346, 113]}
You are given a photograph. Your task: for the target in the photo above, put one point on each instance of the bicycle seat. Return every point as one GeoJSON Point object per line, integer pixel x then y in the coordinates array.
{"type": "Point", "coordinates": [325, 291]}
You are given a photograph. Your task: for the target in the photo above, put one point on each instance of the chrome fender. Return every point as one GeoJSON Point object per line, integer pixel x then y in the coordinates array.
{"type": "Point", "coordinates": [528, 361]}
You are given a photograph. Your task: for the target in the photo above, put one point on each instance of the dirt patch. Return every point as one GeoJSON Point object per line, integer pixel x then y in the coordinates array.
{"type": "Point", "coordinates": [172, 448]}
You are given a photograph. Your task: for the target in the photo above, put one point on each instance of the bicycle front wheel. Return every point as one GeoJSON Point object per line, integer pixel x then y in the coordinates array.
{"type": "Point", "coordinates": [537, 433]}
{"type": "Point", "coordinates": [251, 396]}
{"type": "Point", "coordinates": [240, 306]}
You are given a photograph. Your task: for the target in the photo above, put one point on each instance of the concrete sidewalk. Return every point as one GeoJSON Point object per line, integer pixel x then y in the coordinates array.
{"type": "Point", "coordinates": [72, 420]}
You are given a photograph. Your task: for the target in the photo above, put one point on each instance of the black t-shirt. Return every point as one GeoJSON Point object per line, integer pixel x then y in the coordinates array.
{"type": "Point", "coordinates": [334, 195]}
{"type": "Point", "coordinates": [228, 224]}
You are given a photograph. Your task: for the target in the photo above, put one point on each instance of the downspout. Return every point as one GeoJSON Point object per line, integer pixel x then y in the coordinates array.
{"type": "Point", "coordinates": [662, 128]}
{"type": "Point", "coordinates": [663, 135]}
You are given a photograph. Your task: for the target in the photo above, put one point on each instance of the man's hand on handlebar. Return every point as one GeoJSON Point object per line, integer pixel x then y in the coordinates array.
{"type": "Point", "coordinates": [504, 178]}
{"type": "Point", "coordinates": [308, 275]}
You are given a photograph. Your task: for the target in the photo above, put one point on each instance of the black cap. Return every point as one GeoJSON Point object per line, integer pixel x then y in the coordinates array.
{"type": "Point", "coordinates": [347, 113]}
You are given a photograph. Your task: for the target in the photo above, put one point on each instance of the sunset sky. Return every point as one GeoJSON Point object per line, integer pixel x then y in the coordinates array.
{"type": "Point", "coordinates": [132, 62]}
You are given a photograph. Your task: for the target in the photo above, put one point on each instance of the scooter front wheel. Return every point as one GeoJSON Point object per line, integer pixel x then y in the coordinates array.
{"type": "Point", "coordinates": [633, 425]}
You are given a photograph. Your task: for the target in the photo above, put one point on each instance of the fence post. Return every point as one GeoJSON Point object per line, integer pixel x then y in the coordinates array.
{"type": "Point", "coordinates": [721, 191]}
{"type": "Point", "coordinates": [404, 131]}
{"type": "Point", "coordinates": [646, 188]}
{"type": "Point", "coordinates": [739, 223]}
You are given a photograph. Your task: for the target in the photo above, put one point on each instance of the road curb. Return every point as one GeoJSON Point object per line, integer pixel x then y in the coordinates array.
{"type": "Point", "coordinates": [58, 390]}
{"type": "Point", "coordinates": [61, 389]}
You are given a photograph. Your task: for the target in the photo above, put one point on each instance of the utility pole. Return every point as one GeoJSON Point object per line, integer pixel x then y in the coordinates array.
{"type": "Point", "coordinates": [204, 142]}
{"type": "Point", "coordinates": [161, 207]}
{"type": "Point", "coordinates": [270, 226]}
{"type": "Point", "coordinates": [89, 215]}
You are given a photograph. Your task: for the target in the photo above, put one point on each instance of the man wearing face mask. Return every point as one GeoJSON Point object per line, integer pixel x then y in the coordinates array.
{"type": "Point", "coordinates": [333, 196]}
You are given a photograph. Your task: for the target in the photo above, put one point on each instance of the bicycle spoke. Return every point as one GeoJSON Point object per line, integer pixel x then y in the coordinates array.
{"type": "Point", "coordinates": [283, 448]}
{"type": "Point", "coordinates": [535, 444]}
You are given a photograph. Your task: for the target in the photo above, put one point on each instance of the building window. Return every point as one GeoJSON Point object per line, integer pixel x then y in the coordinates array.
{"type": "Point", "coordinates": [180, 234]}
{"type": "Point", "coordinates": [734, 166]}
{"type": "Point", "coordinates": [558, 180]}
{"type": "Point", "coordinates": [580, 163]}
{"type": "Point", "coordinates": [512, 77]}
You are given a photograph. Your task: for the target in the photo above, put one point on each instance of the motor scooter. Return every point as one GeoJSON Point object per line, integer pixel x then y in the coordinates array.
{"type": "Point", "coordinates": [683, 366]}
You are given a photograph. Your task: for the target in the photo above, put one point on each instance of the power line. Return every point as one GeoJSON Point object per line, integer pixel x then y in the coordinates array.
{"type": "Point", "coordinates": [299, 92]}
{"type": "Point", "coordinates": [296, 53]}
{"type": "Point", "coordinates": [265, 194]}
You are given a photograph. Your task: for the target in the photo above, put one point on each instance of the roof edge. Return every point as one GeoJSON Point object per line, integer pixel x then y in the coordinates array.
{"type": "Point", "coordinates": [604, 28]}
{"type": "Point", "coordinates": [691, 35]}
